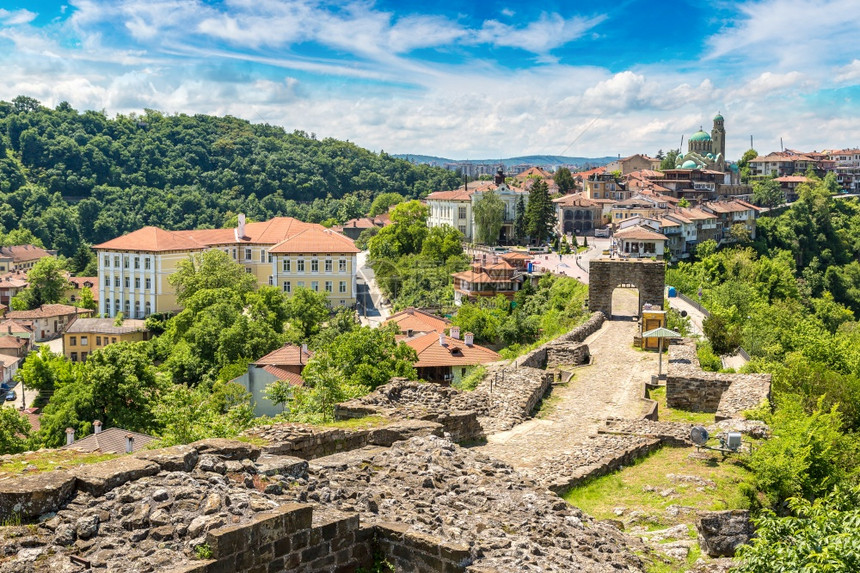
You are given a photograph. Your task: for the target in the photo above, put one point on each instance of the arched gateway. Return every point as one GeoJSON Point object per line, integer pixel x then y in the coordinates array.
{"type": "Point", "coordinates": [605, 275]}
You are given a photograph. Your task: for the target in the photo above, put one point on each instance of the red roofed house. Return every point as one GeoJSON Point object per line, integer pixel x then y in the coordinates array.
{"type": "Point", "coordinates": [286, 363]}
{"type": "Point", "coordinates": [639, 241]}
{"type": "Point", "coordinates": [20, 257]}
{"type": "Point", "coordinates": [447, 359]}
{"type": "Point", "coordinates": [283, 252]}
{"type": "Point", "coordinates": [486, 278]}
{"type": "Point", "coordinates": [411, 321]}
{"type": "Point", "coordinates": [49, 320]}
{"type": "Point", "coordinates": [11, 284]}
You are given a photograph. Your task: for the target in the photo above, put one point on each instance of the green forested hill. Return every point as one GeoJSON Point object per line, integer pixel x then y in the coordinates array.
{"type": "Point", "coordinates": [71, 176]}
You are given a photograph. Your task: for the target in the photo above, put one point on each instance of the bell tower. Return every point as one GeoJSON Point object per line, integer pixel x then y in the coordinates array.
{"type": "Point", "coordinates": [718, 136]}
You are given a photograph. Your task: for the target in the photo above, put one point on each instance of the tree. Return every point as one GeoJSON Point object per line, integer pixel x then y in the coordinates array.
{"type": "Point", "coordinates": [668, 162]}
{"type": "Point", "coordinates": [83, 258]}
{"type": "Point", "coordinates": [540, 213]}
{"type": "Point", "coordinates": [683, 203]}
{"type": "Point", "coordinates": [44, 370]}
{"type": "Point", "coordinates": [14, 431]}
{"type": "Point", "coordinates": [280, 392]}
{"type": "Point", "coordinates": [404, 236]}
{"type": "Point", "coordinates": [564, 180]}
{"type": "Point", "coordinates": [520, 223]}
{"type": "Point", "coordinates": [768, 193]}
{"type": "Point", "coordinates": [383, 202]}
{"type": "Point", "coordinates": [212, 269]}
{"type": "Point", "coordinates": [740, 233]}
{"type": "Point", "coordinates": [87, 299]}
{"type": "Point", "coordinates": [306, 311]}
{"type": "Point", "coordinates": [185, 414]}
{"type": "Point", "coordinates": [723, 339]}
{"type": "Point", "coordinates": [743, 164]}
{"type": "Point", "coordinates": [47, 281]}
{"type": "Point", "coordinates": [489, 214]}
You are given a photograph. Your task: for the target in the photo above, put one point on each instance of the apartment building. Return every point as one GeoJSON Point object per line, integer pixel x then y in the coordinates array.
{"type": "Point", "coordinates": [134, 269]}
{"type": "Point", "coordinates": [21, 257]}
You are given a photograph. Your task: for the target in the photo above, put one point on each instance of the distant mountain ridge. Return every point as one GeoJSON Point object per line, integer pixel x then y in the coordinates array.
{"type": "Point", "coordinates": [539, 160]}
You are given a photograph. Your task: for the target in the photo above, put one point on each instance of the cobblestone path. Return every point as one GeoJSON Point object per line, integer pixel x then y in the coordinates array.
{"type": "Point", "coordinates": [610, 387]}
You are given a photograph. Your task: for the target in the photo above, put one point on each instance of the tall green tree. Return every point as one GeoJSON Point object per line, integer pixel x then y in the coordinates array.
{"type": "Point", "coordinates": [668, 161]}
{"type": "Point", "coordinates": [14, 431]}
{"type": "Point", "coordinates": [564, 180]}
{"type": "Point", "coordinates": [744, 164]}
{"type": "Point", "coordinates": [540, 213]}
{"type": "Point", "coordinates": [212, 269]}
{"type": "Point", "coordinates": [47, 284]}
{"type": "Point", "coordinates": [306, 311]}
{"type": "Point", "coordinates": [489, 214]}
{"type": "Point", "coordinates": [383, 202]}
{"type": "Point", "coordinates": [520, 222]}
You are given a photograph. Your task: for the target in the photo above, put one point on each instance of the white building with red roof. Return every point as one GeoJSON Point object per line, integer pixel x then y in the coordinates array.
{"type": "Point", "coordinates": [284, 364]}
{"type": "Point", "coordinates": [134, 269]}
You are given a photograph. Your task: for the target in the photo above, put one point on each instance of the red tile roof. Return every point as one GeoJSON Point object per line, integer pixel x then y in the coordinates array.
{"type": "Point", "coordinates": [111, 440]}
{"type": "Point", "coordinates": [418, 321]}
{"type": "Point", "coordinates": [20, 253]}
{"type": "Point", "coordinates": [284, 374]}
{"type": "Point", "coordinates": [640, 234]}
{"type": "Point", "coordinates": [286, 355]}
{"type": "Point", "coordinates": [316, 239]}
{"type": "Point", "coordinates": [152, 239]}
{"type": "Point", "coordinates": [454, 353]}
{"type": "Point", "coordinates": [16, 342]}
{"type": "Point", "coordinates": [46, 311]}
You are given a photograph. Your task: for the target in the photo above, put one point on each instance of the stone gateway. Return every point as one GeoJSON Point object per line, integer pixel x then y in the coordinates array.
{"type": "Point", "coordinates": [605, 275]}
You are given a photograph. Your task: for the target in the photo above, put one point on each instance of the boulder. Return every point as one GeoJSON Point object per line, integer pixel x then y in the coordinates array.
{"type": "Point", "coordinates": [97, 479]}
{"type": "Point", "coordinates": [33, 495]}
{"type": "Point", "coordinates": [172, 459]}
{"type": "Point", "coordinates": [721, 532]}
{"type": "Point", "coordinates": [282, 465]}
{"type": "Point", "coordinates": [227, 449]}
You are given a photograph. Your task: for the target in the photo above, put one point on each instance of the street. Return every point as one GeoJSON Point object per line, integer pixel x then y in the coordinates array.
{"type": "Point", "coordinates": [371, 311]}
{"type": "Point", "coordinates": [575, 266]}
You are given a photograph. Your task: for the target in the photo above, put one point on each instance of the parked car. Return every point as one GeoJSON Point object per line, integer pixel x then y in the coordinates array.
{"type": "Point", "coordinates": [601, 232]}
{"type": "Point", "coordinates": [11, 396]}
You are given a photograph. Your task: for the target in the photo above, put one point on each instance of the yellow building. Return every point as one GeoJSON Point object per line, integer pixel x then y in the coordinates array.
{"type": "Point", "coordinates": [285, 252]}
{"type": "Point", "coordinates": [20, 257]}
{"type": "Point", "coordinates": [86, 335]}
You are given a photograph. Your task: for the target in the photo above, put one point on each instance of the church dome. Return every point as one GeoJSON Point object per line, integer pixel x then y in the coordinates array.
{"type": "Point", "coordinates": [689, 164]}
{"type": "Point", "coordinates": [718, 117]}
{"type": "Point", "coordinates": [700, 136]}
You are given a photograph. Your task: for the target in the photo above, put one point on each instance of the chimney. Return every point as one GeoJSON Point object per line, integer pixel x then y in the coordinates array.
{"type": "Point", "coordinates": [455, 332]}
{"type": "Point", "coordinates": [10, 328]}
{"type": "Point", "coordinates": [129, 443]}
{"type": "Point", "coordinates": [240, 229]}
{"type": "Point", "coordinates": [304, 348]}
{"type": "Point", "coordinates": [469, 339]}
{"type": "Point", "coordinates": [70, 436]}
{"type": "Point", "coordinates": [97, 427]}
{"type": "Point", "coordinates": [409, 333]}
{"type": "Point", "coordinates": [441, 339]}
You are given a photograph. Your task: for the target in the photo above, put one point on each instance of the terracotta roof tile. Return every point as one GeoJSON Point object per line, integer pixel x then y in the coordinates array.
{"type": "Point", "coordinates": [111, 440]}
{"type": "Point", "coordinates": [454, 353]}
{"type": "Point", "coordinates": [418, 321]}
{"type": "Point", "coordinates": [106, 326]}
{"type": "Point", "coordinates": [284, 374]}
{"type": "Point", "coordinates": [286, 355]}
{"type": "Point", "coordinates": [315, 239]}
{"type": "Point", "coordinates": [639, 234]}
{"type": "Point", "coordinates": [151, 239]}
{"type": "Point", "coordinates": [23, 252]}
{"type": "Point", "coordinates": [46, 311]}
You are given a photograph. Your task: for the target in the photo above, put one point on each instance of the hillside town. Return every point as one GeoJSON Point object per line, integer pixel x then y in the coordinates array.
{"type": "Point", "coordinates": [523, 315]}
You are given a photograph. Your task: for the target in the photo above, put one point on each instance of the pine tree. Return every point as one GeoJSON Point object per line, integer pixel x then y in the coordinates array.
{"type": "Point", "coordinates": [540, 213]}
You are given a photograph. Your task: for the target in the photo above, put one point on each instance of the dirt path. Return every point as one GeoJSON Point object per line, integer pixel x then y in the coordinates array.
{"type": "Point", "coordinates": [610, 387]}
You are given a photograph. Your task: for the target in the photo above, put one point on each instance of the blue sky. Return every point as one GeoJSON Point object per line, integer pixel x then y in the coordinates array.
{"type": "Point", "coordinates": [457, 79]}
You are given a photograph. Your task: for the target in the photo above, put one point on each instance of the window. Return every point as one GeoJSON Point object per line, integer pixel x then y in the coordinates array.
{"type": "Point", "coordinates": [328, 265]}
{"type": "Point", "coordinates": [116, 305]}
{"type": "Point", "coordinates": [107, 305]}
{"type": "Point", "coordinates": [287, 286]}
{"type": "Point", "coordinates": [84, 341]}
{"type": "Point", "coordinates": [300, 266]}
{"type": "Point", "coordinates": [116, 261]}
{"type": "Point", "coordinates": [137, 262]}
{"type": "Point", "coordinates": [301, 284]}
{"type": "Point", "coordinates": [341, 265]}
{"type": "Point", "coordinates": [234, 254]}
{"type": "Point", "coordinates": [462, 229]}
{"type": "Point", "coordinates": [127, 307]}
{"type": "Point", "coordinates": [98, 340]}
{"type": "Point", "coordinates": [247, 254]}
{"type": "Point", "coordinates": [113, 338]}
{"type": "Point", "coordinates": [461, 213]}
{"type": "Point", "coordinates": [315, 266]}
{"type": "Point", "coordinates": [249, 270]}
{"type": "Point", "coordinates": [342, 287]}
{"type": "Point", "coordinates": [83, 356]}
{"type": "Point", "coordinates": [148, 283]}
{"type": "Point", "coordinates": [286, 265]}
{"type": "Point", "coordinates": [137, 282]}
{"type": "Point", "coordinates": [125, 262]}
{"type": "Point", "coordinates": [328, 286]}
{"type": "Point", "coordinates": [271, 280]}
{"type": "Point", "coordinates": [116, 281]}
{"type": "Point", "coordinates": [127, 282]}
{"type": "Point", "coordinates": [73, 341]}
{"type": "Point", "coordinates": [263, 256]}
{"type": "Point", "coordinates": [107, 281]}
{"type": "Point", "coordinates": [146, 263]}
{"type": "Point", "coordinates": [136, 308]}
{"type": "Point", "coordinates": [315, 286]}
{"type": "Point", "coordinates": [270, 257]}
{"type": "Point", "coordinates": [74, 356]}
{"type": "Point", "coordinates": [107, 261]}
{"type": "Point", "coordinates": [148, 310]}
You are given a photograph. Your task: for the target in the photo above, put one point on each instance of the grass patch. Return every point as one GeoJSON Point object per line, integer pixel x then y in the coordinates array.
{"type": "Point", "coordinates": [253, 440]}
{"type": "Point", "coordinates": [549, 403]}
{"type": "Point", "coordinates": [640, 487]}
{"type": "Point", "coordinates": [48, 461]}
{"type": "Point", "coordinates": [471, 381]}
{"type": "Point", "coordinates": [673, 415]}
{"type": "Point", "coordinates": [358, 423]}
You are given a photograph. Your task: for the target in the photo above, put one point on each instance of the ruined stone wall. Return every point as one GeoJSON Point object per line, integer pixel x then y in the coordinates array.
{"type": "Point", "coordinates": [573, 354]}
{"type": "Point", "coordinates": [539, 357]}
{"type": "Point", "coordinates": [688, 387]}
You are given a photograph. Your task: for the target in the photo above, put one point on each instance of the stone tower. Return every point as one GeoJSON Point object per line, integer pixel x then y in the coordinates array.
{"type": "Point", "coordinates": [718, 136]}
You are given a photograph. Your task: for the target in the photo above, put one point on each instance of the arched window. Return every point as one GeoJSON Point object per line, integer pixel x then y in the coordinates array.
{"type": "Point", "coordinates": [127, 307]}
{"type": "Point", "coordinates": [148, 308]}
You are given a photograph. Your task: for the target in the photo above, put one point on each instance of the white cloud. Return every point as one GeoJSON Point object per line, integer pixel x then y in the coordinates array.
{"type": "Point", "coordinates": [849, 73]}
{"type": "Point", "coordinates": [16, 17]}
{"type": "Point", "coordinates": [543, 35]}
{"type": "Point", "coordinates": [769, 83]}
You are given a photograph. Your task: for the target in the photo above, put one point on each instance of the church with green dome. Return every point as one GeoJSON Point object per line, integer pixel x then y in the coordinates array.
{"type": "Point", "coordinates": [705, 151]}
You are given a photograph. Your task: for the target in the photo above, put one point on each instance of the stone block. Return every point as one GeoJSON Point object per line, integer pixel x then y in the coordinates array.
{"type": "Point", "coordinates": [31, 496]}
{"type": "Point", "coordinates": [227, 449]}
{"type": "Point", "coordinates": [721, 532]}
{"type": "Point", "coordinates": [173, 459]}
{"type": "Point", "coordinates": [97, 479]}
{"type": "Point", "coordinates": [270, 465]}
{"type": "Point", "coordinates": [403, 430]}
